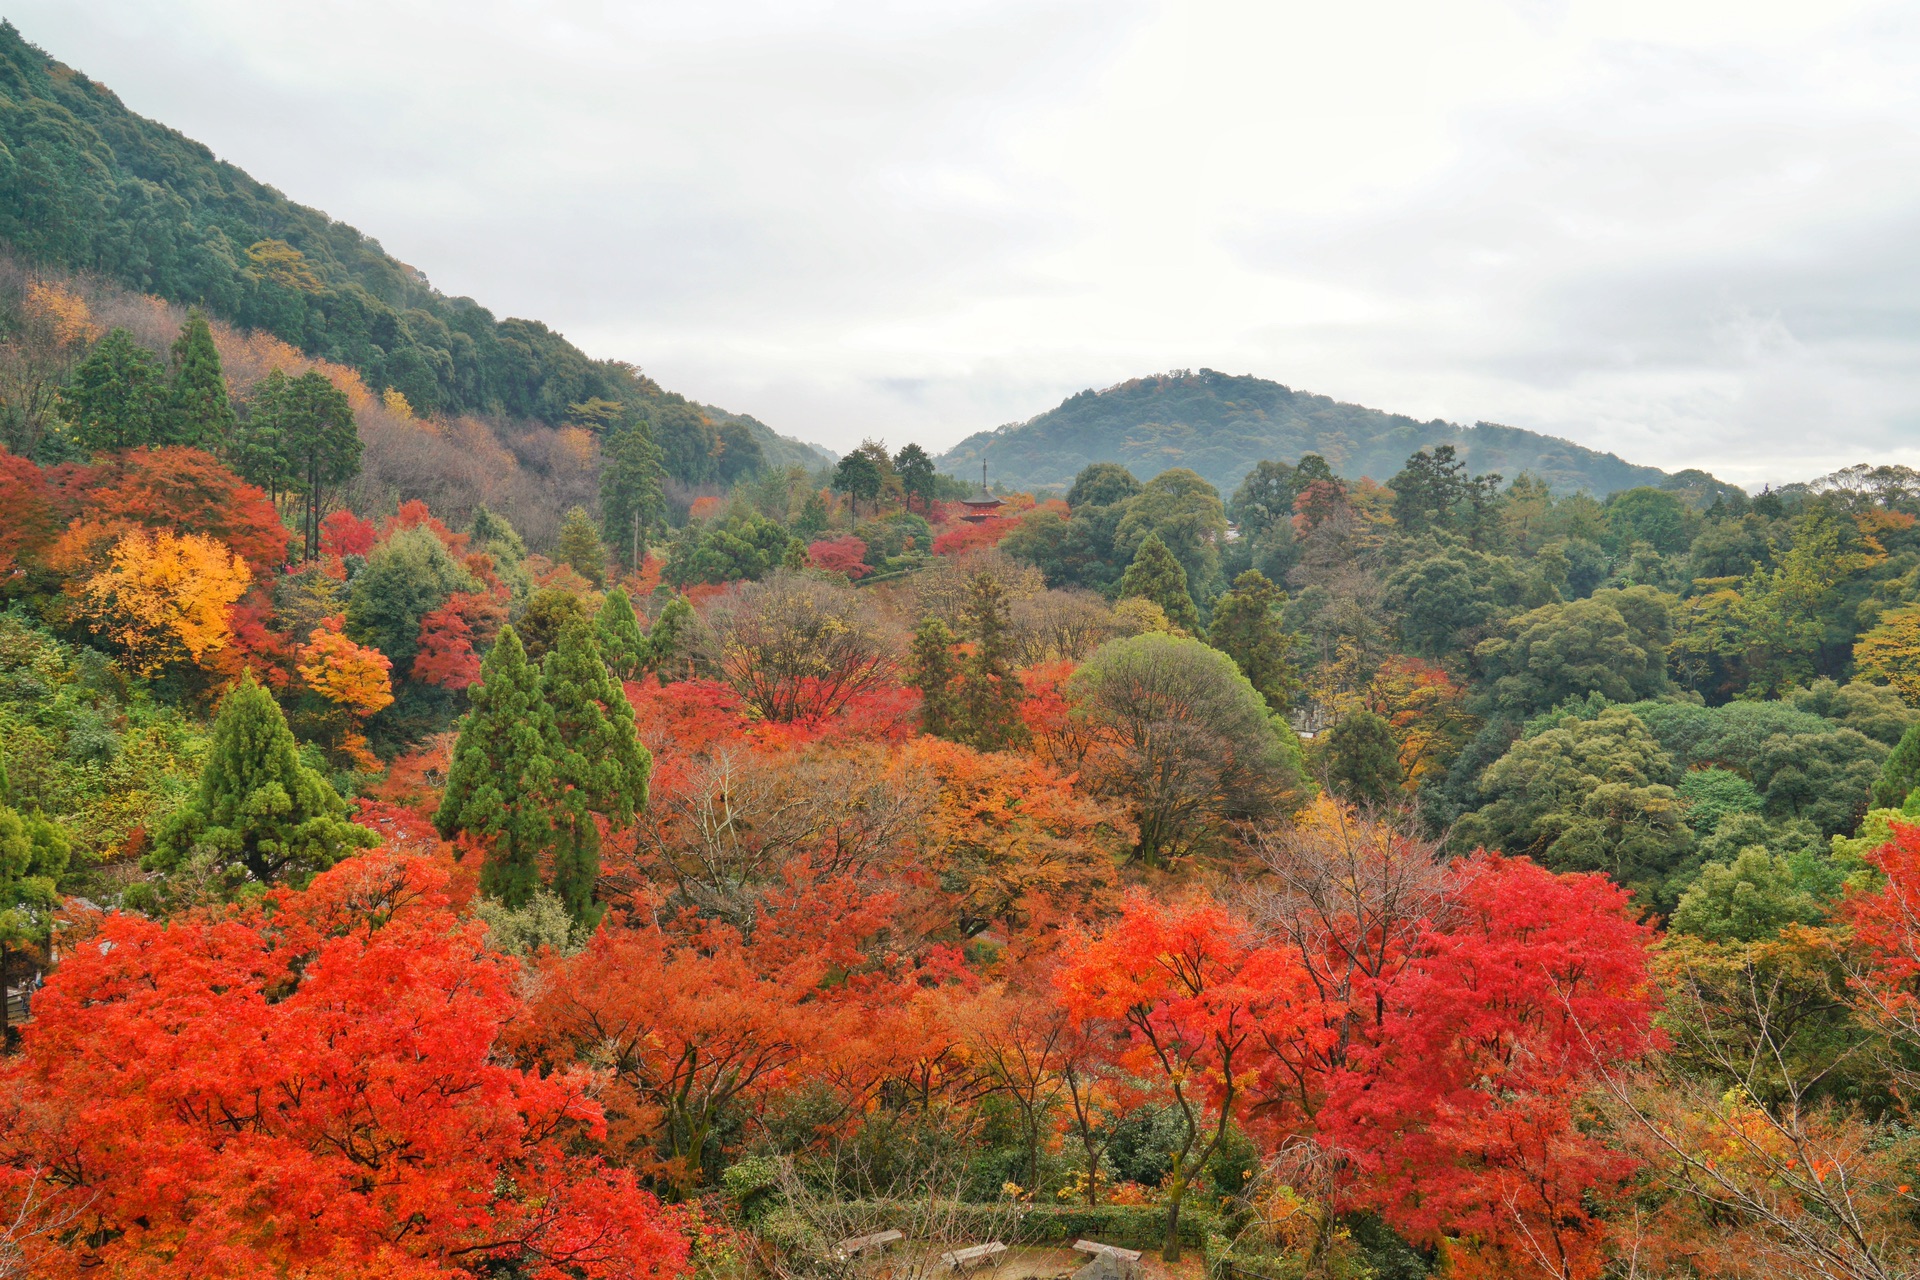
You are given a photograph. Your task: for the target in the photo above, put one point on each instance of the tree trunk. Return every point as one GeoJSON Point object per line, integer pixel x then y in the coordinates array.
{"type": "Point", "coordinates": [1176, 1192]}
{"type": "Point", "coordinates": [6, 1003]}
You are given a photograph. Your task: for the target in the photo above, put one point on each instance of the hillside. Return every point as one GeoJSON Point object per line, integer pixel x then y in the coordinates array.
{"type": "Point", "coordinates": [1220, 425]}
{"type": "Point", "coordinates": [87, 185]}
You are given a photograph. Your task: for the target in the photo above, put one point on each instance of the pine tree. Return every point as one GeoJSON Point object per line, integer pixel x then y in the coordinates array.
{"type": "Point", "coordinates": [259, 812]}
{"type": "Point", "coordinates": [622, 643]}
{"type": "Point", "coordinates": [990, 694]}
{"type": "Point", "coordinates": [1157, 575]}
{"type": "Point", "coordinates": [813, 516]}
{"type": "Point", "coordinates": [670, 644]}
{"type": "Point", "coordinates": [932, 675]}
{"type": "Point", "coordinates": [1246, 627]}
{"type": "Point", "coordinates": [501, 786]}
{"type": "Point", "coordinates": [794, 559]}
{"type": "Point", "coordinates": [117, 397]}
{"type": "Point", "coordinates": [580, 547]}
{"type": "Point", "coordinates": [599, 765]}
{"type": "Point", "coordinates": [198, 410]}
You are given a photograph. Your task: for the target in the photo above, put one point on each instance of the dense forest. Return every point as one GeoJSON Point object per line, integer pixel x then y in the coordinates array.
{"type": "Point", "coordinates": [1220, 425]}
{"type": "Point", "coordinates": [522, 825]}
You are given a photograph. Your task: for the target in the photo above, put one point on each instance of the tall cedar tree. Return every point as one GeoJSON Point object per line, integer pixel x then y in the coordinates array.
{"type": "Point", "coordinates": [1247, 628]}
{"type": "Point", "coordinates": [580, 547]}
{"type": "Point", "coordinates": [600, 768]}
{"type": "Point", "coordinates": [622, 643]}
{"type": "Point", "coordinates": [859, 476]}
{"type": "Point", "coordinates": [917, 478]}
{"type": "Point", "coordinates": [630, 499]}
{"type": "Point", "coordinates": [500, 787]}
{"type": "Point", "coordinates": [671, 642]}
{"type": "Point", "coordinates": [116, 397]}
{"type": "Point", "coordinates": [990, 693]}
{"type": "Point", "coordinates": [932, 674]}
{"type": "Point", "coordinates": [1157, 575]}
{"type": "Point", "coordinates": [258, 809]}
{"type": "Point", "coordinates": [310, 424]}
{"type": "Point", "coordinates": [198, 410]}
{"type": "Point", "coordinates": [1361, 762]}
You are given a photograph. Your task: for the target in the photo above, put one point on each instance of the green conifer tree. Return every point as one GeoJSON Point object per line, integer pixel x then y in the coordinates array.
{"type": "Point", "coordinates": [199, 412]}
{"type": "Point", "coordinates": [1247, 628]}
{"type": "Point", "coordinates": [990, 694]}
{"type": "Point", "coordinates": [259, 812]}
{"type": "Point", "coordinates": [580, 547]}
{"type": "Point", "coordinates": [670, 644]}
{"type": "Point", "coordinates": [599, 765]}
{"type": "Point", "coordinates": [631, 503]}
{"type": "Point", "coordinates": [1360, 760]}
{"type": "Point", "coordinates": [500, 789]}
{"type": "Point", "coordinates": [813, 516]}
{"type": "Point", "coordinates": [117, 397]}
{"type": "Point", "coordinates": [622, 643]}
{"type": "Point", "coordinates": [794, 559]}
{"type": "Point", "coordinates": [932, 674]}
{"type": "Point", "coordinates": [1156, 574]}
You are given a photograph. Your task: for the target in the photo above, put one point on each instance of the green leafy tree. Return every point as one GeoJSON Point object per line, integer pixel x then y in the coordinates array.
{"type": "Point", "coordinates": [1446, 602]}
{"type": "Point", "coordinates": [199, 412]}
{"type": "Point", "coordinates": [1900, 774]}
{"type": "Point", "coordinates": [688, 443]}
{"type": "Point", "coordinates": [33, 856]}
{"type": "Point", "coordinates": [1613, 643]}
{"type": "Point", "coordinates": [1247, 628]}
{"type": "Point", "coordinates": [989, 693]}
{"type": "Point", "coordinates": [1102, 484]}
{"type": "Point", "coordinates": [631, 501]}
{"type": "Point", "coordinates": [258, 812]}
{"type": "Point", "coordinates": [1184, 512]}
{"type": "Point", "coordinates": [117, 398]}
{"type": "Point", "coordinates": [622, 643]}
{"type": "Point", "coordinates": [1264, 499]}
{"type": "Point", "coordinates": [1589, 795]}
{"type": "Point", "coordinates": [917, 477]}
{"type": "Point", "coordinates": [744, 547]}
{"type": "Point", "coordinates": [1360, 760]}
{"type": "Point", "coordinates": [500, 788]}
{"type": "Point", "coordinates": [600, 769]}
{"type": "Point", "coordinates": [1157, 575]}
{"type": "Point", "coordinates": [1178, 734]}
{"type": "Point", "coordinates": [931, 669]}
{"type": "Point", "coordinates": [407, 577]}
{"type": "Point", "coordinates": [740, 457]}
{"type": "Point", "coordinates": [1749, 899]}
{"type": "Point", "coordinates": [580, 547]}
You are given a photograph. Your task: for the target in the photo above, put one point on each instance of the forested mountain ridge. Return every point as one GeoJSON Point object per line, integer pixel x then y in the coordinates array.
{"type": "Point", "coordinates": [87, 185]}
{"type": "Point", "coordinates": [1220, 425]}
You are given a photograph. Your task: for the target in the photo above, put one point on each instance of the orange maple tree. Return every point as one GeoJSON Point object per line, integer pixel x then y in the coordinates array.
{"type": "Point", "coordinates": [307, 1087]}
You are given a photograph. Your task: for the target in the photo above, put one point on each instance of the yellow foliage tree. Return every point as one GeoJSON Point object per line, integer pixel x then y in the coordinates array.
{"type": "Point", "coordinates": [1891, 653]}
{"type": "Point", "coordinates": [349, 675]}
{"type": "Point", "coordinates": [164, 597]}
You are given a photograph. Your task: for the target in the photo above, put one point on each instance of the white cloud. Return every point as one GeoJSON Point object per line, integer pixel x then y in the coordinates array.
{"type": "Point", "coordinates": [1678, 229]}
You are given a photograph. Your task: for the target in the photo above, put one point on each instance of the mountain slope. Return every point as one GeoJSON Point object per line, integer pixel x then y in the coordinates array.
{"type": "Point", "coordinates": [87, 185]}
{"type": "Point", "coordinates": [1220, 425]}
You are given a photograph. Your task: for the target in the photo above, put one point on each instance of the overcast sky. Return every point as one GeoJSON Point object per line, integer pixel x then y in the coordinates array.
{"type": "Point", "coordinates": [1687, 232]}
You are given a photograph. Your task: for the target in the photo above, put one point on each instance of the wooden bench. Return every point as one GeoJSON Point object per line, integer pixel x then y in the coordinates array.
{"type": "Point", "coordinates": [853, 1246]}
{"type": "Point", "coordinates": [1095, 1248]}
{"type": "Point", "coordinates": [965, 1259]}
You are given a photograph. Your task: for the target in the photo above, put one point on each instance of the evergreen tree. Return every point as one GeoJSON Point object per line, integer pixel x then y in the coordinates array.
{"type": "Point", "coordinates": [580, 547]}
{"type": "Point", "coordinates": [501, 786]}
{"type": "Point", "coordinates": [1157, 575]}
{"type": "Point", "coordinates": [259, 812]}
{"type": "Point", "coordinates": [622, 643]}
{"type": "Point", "coordinates": [932, 675]}
{"type": "Point", "coordinates": [917, 476]}
{"type": "Point", "coordinates": [670, 644]}
{"type": "Point", "coordinates": [599, 765]}
{"type": "Point", "coordinates": [198, 410]}
{"type": "Point", "coordinates": [990, 694]}
{"type": "Point", "coordinates": [631, 503]}
{"type": "Point", "coordinates": [117, 397]}
{"type": "Point", "coordinates": [794, 559]}
{"type": "Point", "coordinates": [813, 516]}
{"type": "Point", "coordinates": [859, 476]}
{"type": "Point", "coordinates": [33, 854]}
{"type": "Point", "coordinates": [308, 423]}
{"type": "Point", "coordinates": [1901, 772]}
{"type": "Point", "coordinates": [1360, 760]}
{"type": "Point", "coordinates": [495, 535]}
{"type": "Point", "coordinates": [1247, 628]}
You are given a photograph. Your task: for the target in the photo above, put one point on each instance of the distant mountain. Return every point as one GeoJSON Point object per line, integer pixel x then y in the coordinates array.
{"type": "Point", "coordinates": [1220, 424]}
{"type": "Point", "coordinates": [86, 185]}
